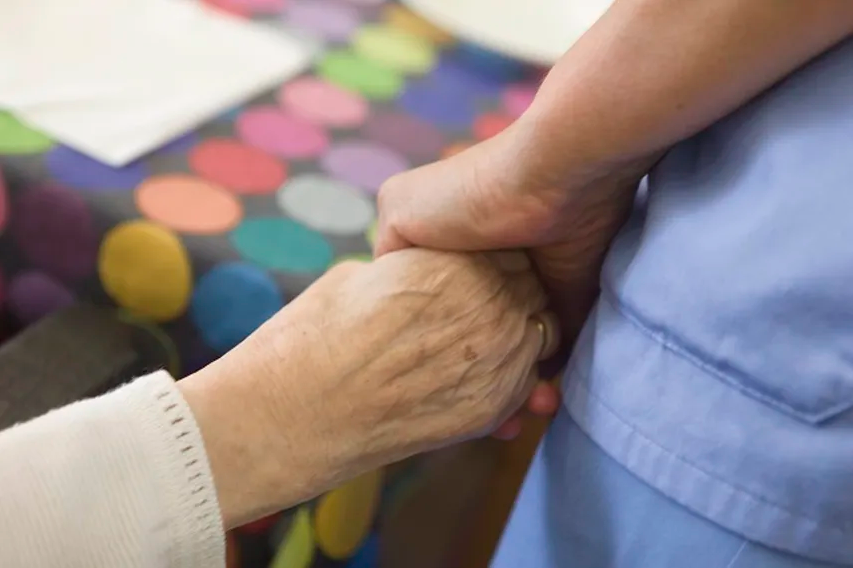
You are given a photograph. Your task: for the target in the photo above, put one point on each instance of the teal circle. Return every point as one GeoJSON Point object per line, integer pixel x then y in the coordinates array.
{"type": "Point", "coordinates": [282, 244]}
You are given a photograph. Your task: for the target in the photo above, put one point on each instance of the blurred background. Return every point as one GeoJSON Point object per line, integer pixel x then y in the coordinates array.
{"type": "Point", "coordinates": [165, 236]}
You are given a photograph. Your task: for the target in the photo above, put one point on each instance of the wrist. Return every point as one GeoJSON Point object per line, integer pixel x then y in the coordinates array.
{"type": "Point", "coordinates": [257, 459]}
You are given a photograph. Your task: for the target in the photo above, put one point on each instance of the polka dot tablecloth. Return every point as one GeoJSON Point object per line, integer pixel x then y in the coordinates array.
{"type": "Point", "coordinates": [210, 235]}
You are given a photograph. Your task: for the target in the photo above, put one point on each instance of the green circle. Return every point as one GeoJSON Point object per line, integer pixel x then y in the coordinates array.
{"type": "Point", "coordinates": [372, 233]}
{"type": "Point", "coordinates": [395, 49]}
{"type": "Point", "coordinates": [17, 138]}
{"type": "Point", "coordinates": [364, 76]}
{"type": "Point", "coordinates": [173, 358]}
{"type": "Point", "coordinates": [282, 244]}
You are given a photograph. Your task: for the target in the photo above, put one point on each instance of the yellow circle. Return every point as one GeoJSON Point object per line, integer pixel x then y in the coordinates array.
{"type": "Point", "coordinates": [297, 550]}
{"type": "Point", "coordinates": [404, 19]}
{"type": "Point", "coordinates": [146, 270]}
{"type": "Point", "coordinates": [394, 49]}
{"type": "Point", "coordinates": [344, 516]}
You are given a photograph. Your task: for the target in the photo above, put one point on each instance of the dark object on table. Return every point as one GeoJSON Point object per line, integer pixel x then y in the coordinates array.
{"type": "Point", "coordinates": [79, 352]}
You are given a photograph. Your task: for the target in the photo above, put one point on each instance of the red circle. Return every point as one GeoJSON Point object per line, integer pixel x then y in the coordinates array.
{"type": "Point", "coordinates": [232, 551]}
{"type": "Point", "coordinates": [261, 525]}
{"type": "Point", "coordinates": [236, 166]}
{"type": "Point", "coordinates": [490, 124]}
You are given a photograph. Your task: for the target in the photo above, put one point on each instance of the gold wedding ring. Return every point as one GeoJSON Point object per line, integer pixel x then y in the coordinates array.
{"type": "Point", "coordinates": [549, 331]}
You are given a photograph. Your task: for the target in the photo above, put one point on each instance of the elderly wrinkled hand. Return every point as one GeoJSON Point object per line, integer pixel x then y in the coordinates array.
{"type": "Point", "coordinates": [376, 362]}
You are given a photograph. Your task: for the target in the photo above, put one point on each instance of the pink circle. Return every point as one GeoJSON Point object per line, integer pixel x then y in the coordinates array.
{"type": "Point", "coordinates": [229, 7]}
{"type": "Point", "coordinates": [333, 21]}
{"type": "Point", "coordinates": [319, 101]}
{"type": "Point", "coordinates": [246, 7]}
{"type": "Point", "coordinates": [363, 164]}
{"type": "Point", "coordinates": [517, 98]}
{"type": "Point", "coordinates": [288, 136]}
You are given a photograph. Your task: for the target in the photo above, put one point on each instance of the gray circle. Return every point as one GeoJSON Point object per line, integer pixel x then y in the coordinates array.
{"type": "Point", "coordinates": [327, 205]}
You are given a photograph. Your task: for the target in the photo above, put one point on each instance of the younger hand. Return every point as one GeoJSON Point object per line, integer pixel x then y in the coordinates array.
{"type": "Point", "coordinates": [518, 190]}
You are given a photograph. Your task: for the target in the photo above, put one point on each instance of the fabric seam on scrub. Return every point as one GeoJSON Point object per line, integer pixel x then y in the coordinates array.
{"type": "Point", "coordinates": [633, 447]}
{"type": "Point", "coordinates": [579, 391]}
{"type": "Point", "coordinates": [578, 394]}
{"type": "Point", "coordinates": [637, 324]}
{"type": "Point", "coordinates": [676, 345]}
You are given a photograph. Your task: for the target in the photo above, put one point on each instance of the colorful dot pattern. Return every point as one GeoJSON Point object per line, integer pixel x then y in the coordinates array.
{"type": "Point", "coordinates": [203, 240]}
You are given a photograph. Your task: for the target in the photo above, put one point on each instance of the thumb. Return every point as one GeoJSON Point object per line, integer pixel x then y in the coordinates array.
{"type": "Point", "coordinates": [388, 239]}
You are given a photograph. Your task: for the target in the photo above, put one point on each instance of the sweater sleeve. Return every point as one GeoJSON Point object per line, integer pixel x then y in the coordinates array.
{"type": "Point", "coordinates": [118, 481]}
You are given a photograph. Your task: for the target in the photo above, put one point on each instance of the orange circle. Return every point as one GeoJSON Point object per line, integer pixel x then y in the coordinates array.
{"type": "Point", "coordinates": [188, 204]}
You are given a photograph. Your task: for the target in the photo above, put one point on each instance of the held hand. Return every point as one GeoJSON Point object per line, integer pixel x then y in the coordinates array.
{"type": "Point", "coordinates": [371, 364]}
{"type": "Point", "coordinates": [439, 346]}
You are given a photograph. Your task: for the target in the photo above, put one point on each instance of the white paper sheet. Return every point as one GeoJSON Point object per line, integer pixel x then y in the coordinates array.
{"type": "Point", "coordinates": [117, 78]}
{"type": "Point", "coordinates": [538, 31]}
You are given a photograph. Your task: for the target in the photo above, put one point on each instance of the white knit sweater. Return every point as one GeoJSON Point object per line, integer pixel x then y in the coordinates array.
{"type": "Point", "coordinates": [118, 481]}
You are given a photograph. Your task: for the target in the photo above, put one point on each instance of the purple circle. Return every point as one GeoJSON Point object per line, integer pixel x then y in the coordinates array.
{"type": "Point", "coordinates": [327, 19]}
{"type": "Point", "coordinates": [180, 145]}
{"type": "Point", "coordinates": [415, 138]}
{"type": "Point", "coordinates": [454, 74]}
{"type": "Point", "coordinates": [363, 164]}
{"type": "Point", "coordinates": [53, 229]}
{"type": "Point", "coordinates": [82, 172]}
{"type": "Point", "coordinates": [33, 295]}
{"type": "Point", "coordinates": [441, 104]}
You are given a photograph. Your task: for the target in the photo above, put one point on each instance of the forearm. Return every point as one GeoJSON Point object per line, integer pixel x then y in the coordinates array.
{"type": "Point", "coordinates": [653, 72]}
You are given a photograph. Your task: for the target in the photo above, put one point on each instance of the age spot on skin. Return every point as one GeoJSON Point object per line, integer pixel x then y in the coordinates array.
{"type": "Point", "coordinates": [470, 354]}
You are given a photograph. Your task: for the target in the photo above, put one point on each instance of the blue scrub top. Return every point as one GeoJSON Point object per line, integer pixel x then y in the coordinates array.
{"type": "Point", "coordinates": [718, 364]}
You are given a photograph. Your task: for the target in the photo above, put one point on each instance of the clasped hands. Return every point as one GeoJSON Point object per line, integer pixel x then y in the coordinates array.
{"type": "Point", "coordinates": [435, 341]}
